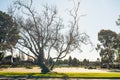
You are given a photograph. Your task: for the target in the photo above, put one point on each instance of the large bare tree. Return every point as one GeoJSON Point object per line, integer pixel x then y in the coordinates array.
{"type": "Point", "coordinates": [41, 33]}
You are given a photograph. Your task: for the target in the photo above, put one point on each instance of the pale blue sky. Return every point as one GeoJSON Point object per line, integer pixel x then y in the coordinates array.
{"type": "Point", "coordinates": [100, 14]}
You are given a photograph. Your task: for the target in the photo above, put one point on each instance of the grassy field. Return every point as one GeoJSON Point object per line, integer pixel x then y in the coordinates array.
{"type": "Point", "coordinates": [111, 75]}
{"type": "Point", "coordinates": [69, 72]}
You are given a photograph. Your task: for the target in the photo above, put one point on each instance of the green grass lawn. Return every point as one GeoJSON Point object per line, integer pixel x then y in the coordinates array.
{"type": "Point", "coordinates": [110, 75]}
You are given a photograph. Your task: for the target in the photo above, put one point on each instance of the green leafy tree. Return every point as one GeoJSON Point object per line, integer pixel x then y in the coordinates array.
{"type": "Point", "coordinates": [8, 32]}
{"type": "Point", "coordinates": [70, 61]}
{"type": "Point", "coordinates": [65, 61]}
{"type": "Point", "coordinates": [107, 39]}
{"type": "Point", "coordinates": [117, 46]}
{"type": "Point", "coordinates": [85, 62]}
{"type": "Point", "coordinates": [75, 62]}
{"type": "Point", "coordinates": [97, 62]}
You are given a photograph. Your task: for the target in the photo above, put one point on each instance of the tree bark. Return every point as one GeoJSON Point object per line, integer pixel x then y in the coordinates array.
{"type": "Point", "coordinates": [40, 62]}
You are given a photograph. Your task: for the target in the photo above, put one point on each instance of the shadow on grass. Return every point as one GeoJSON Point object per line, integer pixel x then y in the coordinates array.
{"type": "Point", "coordinates": [24, 76]}
{"type": "Point", "coordinates": [115, 70]}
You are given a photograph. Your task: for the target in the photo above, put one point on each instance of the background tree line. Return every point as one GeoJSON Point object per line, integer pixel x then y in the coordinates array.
{"type": "Point", "coordinates": [20, 61]}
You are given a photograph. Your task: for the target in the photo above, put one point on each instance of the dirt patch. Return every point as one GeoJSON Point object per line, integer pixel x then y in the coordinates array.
{"type": "Point", "coordinates": [61, 70]}
{"type": "Point", "coordinates": [33, 70]}
{"type": "Point", "coordinates": [78, 70]}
